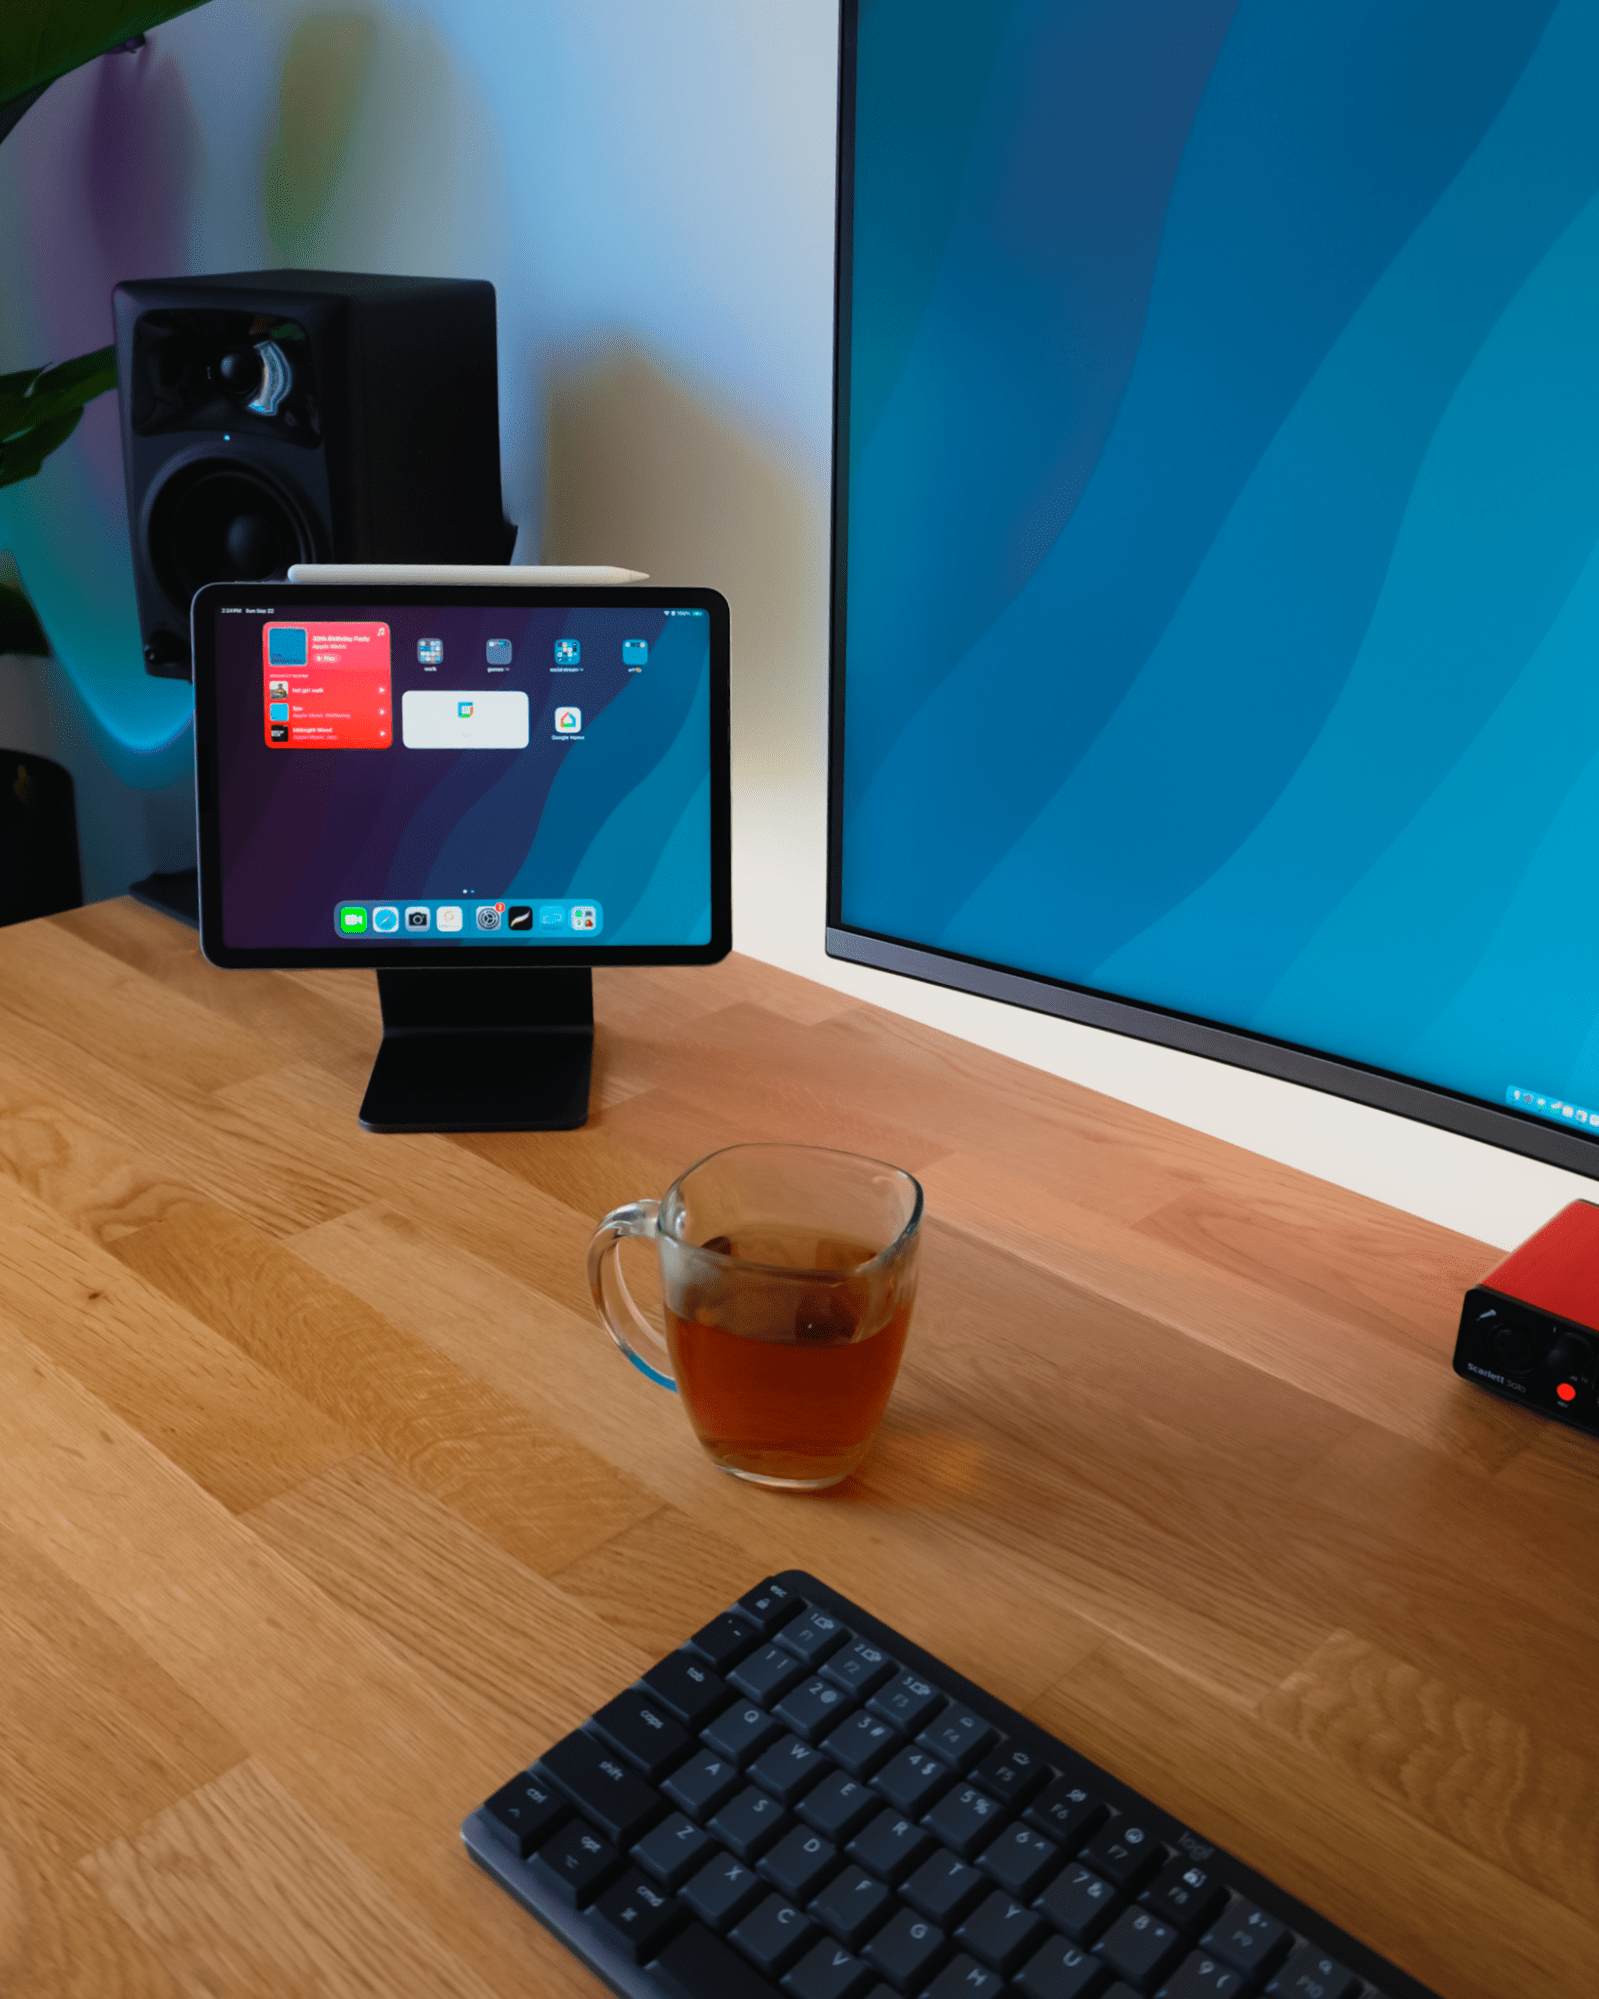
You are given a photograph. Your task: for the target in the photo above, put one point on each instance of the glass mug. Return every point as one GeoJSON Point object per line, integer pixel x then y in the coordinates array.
{"type": "Point", "coordinates": [788, 1273]}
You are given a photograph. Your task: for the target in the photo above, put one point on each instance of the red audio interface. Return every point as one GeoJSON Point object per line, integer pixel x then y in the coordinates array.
{"type": "Point", "coordinates": [1530, 1330]}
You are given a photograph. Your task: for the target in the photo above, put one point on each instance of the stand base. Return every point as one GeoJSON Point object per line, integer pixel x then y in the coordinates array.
{"type": "Point", "coordinates": [473, 1050]}
{"type": "Point", "coordinates": [174, 894]}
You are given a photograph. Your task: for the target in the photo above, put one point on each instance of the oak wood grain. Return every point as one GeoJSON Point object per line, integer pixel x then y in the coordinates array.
{"type": "Point", "coordinates": [325, 1504]}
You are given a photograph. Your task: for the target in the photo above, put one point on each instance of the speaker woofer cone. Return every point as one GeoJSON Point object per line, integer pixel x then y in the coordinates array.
{"type": "Point", "coordinates": [221, 523]}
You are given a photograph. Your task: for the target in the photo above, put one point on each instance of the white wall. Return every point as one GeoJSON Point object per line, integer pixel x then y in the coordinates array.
{"type": "Point", "coordinates": [650, 188]}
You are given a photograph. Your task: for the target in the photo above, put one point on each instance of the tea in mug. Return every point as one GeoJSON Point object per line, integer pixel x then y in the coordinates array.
{"type": "Point", "coordinates": [783, 1378]}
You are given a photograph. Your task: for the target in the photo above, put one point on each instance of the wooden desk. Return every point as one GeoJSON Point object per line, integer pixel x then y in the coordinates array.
{"type": "Point", "coordinates": [324, 1503]}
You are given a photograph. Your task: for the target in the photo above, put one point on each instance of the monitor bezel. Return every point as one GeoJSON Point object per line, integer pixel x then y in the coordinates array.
{"type": "Point", "coordinates": [1193, 1034]}
{"type": "Point", "coordinates": [216, 597]}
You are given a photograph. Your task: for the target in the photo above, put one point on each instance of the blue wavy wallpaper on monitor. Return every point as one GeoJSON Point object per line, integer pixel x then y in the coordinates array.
{"type": "Point", "coordinates": [1223, 514]}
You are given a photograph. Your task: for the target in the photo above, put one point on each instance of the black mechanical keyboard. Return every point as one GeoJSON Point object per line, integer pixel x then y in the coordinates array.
{"type": "Point", "coordinates": [802, 1802]}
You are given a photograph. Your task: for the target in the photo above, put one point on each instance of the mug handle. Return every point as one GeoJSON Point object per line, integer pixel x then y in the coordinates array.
{"type": "Point", "coordinates": [620, 1317]}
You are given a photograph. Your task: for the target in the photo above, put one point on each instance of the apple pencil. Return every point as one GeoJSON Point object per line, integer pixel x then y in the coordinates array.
{"type": "Point", "coordinates": [555, 575]}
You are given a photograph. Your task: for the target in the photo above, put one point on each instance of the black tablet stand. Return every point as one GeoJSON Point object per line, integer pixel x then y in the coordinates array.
{"type": "Point", "coordinates": [470, 1050]}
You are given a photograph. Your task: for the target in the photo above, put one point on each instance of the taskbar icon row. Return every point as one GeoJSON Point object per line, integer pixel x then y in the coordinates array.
{"type": "Point", "coordinates": [475, 922]}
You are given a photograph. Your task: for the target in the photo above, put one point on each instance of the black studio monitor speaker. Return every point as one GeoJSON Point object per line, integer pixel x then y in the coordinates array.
{"type": "Point", "coordinates": [271, 417]}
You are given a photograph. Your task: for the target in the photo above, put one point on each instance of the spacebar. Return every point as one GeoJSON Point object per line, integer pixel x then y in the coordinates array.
{"type": "Point", "coordinates": [697, 1965]}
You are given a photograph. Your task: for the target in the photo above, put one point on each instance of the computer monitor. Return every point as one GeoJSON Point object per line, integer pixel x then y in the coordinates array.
{"type": "Point", "coordinates": [481, 792]}
{"type": "Point", "coordinates": [1216, 607]}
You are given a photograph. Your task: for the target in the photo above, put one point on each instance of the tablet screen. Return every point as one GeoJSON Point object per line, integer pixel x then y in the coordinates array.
{"type": "Point", "coordinates": [455, 774]}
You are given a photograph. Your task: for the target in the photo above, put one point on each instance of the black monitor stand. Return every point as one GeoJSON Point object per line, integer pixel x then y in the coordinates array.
{"type": "Point", "coordinates": [490, 1050]}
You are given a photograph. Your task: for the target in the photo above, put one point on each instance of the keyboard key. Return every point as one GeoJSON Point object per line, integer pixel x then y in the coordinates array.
{"type": "Point", "coordinates": [773, 1934]}
{"type": "Point", "coordinates": [741, 1732]}
{"type": "Point", "coordinates": [636, 1916]}
{"type": "Point", "coordinates": [838, 1806]}
{"type": "Point", "coordinates": [1202, 1977]}
{"type": "Point", "coordinates": [673, 1851]}
{"type": "Point", "coordinates": [770, 1606]}
{"type": "Point", "coordinates": [907, 1950]}
{"type": "Point", "coordinates": [1012, 1774]}
{"type": "Point", "coordinates": [722, 1890]}
{"type": "Point", "coordinates": [799, 1863]}
{"type": "Point", "coordinates": [964, 1978]}
{"type": "Point", "coordinates": [688, 1689]}
{"type": "Point", "coordinates": [788, 1768]}
{"type": "Point", "coordinates": [852, 1906]}
{"type": "Point", "coordinates": [1125, 1853]}
{"type": "Point", "coordinates": [1311, 1974]}
{"type": "Point", "coordinates": [890, 1846]}
{"type": "Point", "coordinates": [958, 1736]}
{"type": "Point", "coordinates": [1067, 1813]}
{"type": "Point", "coordinates": [860, 1669]}
{"type": "Point", "coordinates": [703, 1783]}
{"type": "Point", "coordinates": [644, 1732]}
{"type": "Point", "coordinates": [695, 1963]}
{"type": "Point", "coordinates": [1002, 1931]}
{"type": "Point", "coordinates": [1185, 1895]}
{"type": "Point", "coordinates": [1246, 1938]}
{"type": "Point", "coordinates": [524, 1812]}
{"type": "Point", "coordinates": [749, 1823]}
{"type": "Point", "coordinates": [1021, 1860]}
{"type": "Point", "coordinates": [1140, 1947]}
{"type": "Point", "coordinates": [828, 1971]}
{"type": "Point", "coordinates": [766, 1675]}
{"type": "Point", "coordinates": [725, 1640]}
{"type": "Point", "coordinates": [1079, 1903]}
{"type": "Point", "coordinates": [812, 1637]}
{"type": "Point", "coordinates": [861, 1743]}
{"type": "Point", "coordinates": [912, 1780]}
{"type": "Point", "coordinates": [811, 1710]}
{"type": "Point", "coordinates": [1060, 1971]}
{"type": "Point", "coordinates": [964, 1819]}
{"type": "Point", "coordinates": [907, 1702]}
{"type": "Point", "coordinates": [944, 1887]}
{"type": "Point", "coordinates": [602, 1787]}
{"type": "Point", "coordinates": [576, 1863]}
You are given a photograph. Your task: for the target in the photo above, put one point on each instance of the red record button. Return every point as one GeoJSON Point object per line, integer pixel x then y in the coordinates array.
{"type": "Point", "coordinates": [1565, 1391]}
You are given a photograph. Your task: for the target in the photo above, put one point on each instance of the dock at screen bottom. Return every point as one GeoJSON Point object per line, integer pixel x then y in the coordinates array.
{"type": "Point", "coordinates": [470, 922]}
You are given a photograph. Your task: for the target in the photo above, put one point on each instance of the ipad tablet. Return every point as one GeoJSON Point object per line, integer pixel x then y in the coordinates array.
{"type": "Point", "coordinates": [424, 776]}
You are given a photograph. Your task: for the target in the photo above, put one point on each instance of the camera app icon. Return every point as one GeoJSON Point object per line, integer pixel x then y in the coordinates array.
{"type": "Point", "coordinates": [418, 916]}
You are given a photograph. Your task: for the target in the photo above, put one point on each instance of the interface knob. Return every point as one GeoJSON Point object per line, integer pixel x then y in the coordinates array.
{"type": "Point", "coordinates": [1571, 1358]}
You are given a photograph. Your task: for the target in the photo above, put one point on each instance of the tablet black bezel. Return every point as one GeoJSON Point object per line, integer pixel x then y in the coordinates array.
{"type": "Point", "coordinates": [216, 597]}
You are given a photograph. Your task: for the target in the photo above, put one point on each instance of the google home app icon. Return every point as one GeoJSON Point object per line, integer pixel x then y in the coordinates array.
{"type": "Point", "coordinates": [568, 721]}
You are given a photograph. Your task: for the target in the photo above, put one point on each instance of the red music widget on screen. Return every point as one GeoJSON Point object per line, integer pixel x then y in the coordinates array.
{"type": "Point", "coordinates": [327, 686]}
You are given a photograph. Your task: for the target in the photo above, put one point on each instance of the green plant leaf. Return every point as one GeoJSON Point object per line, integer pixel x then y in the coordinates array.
{"type": "Point", "coordinates": [36, 396]}
{"type": "Point", "coordinates": [21, 456]}
{"type": "Point", "coordinates": [42, 39]}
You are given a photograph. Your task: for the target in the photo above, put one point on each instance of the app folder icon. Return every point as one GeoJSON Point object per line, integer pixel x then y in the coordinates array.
{"type": "Point", "coordinates": [635, 652]}
{"type": "Point", "coordinates": [568, 652]}
{"type": "Point", "coordinates": [498, 652]}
